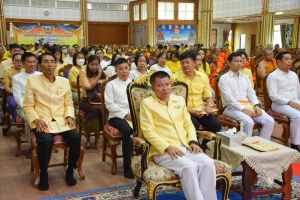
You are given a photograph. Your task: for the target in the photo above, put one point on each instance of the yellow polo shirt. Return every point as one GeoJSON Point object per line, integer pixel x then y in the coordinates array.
{"type": "Point", "coordinates": [164, 125]}
{"type": "Point", "coordinates": [108, 55]}
{"type": "Point", "coordinates": [4, 66]}
{"type": "Point", "coordinates": [58, 67]}
{"type": "Point", "coordinates": [174, 67]}
{"type": "Point", "coordinates": [248, 73]}
{"type": "Point", "coordinates": [207, 69]}
{"type": "Point", "coordinates": [7, 54]}
{"type": "Point", "coordinates": [199, 88]}
{"type": "Point", "coordinates": [8, 76]}
{"type": "Point", "coordinates": [74, 72]}
{"type": "Point", "coordinates": [47, 100]}
{"type": "Point", "coordinates": [130, 50]}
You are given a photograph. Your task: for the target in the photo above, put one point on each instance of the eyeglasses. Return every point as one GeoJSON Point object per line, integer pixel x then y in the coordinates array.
{"type": "Point", "coordinates": [18, 61]}
{"type": "Point", "coordinates": [49, 62]}
{"type": "Point", "coordinates": [238, 61]}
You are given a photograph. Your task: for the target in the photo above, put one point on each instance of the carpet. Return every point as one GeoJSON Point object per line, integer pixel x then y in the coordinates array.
{"type": "Point", "coordinates": [167, 193]}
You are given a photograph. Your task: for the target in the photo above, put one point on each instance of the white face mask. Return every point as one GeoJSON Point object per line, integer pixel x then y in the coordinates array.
{"type": "Point", "coordinates": [39, 54]}
{"type": "Point", "coordinates": [65, 51]}
{"type": "Point", "coordinates": [123, 56]}
{"type": "Point", "coordinates": [106, 47]}
{"type": "Point", "coordinates": [93, 52]}
{"type": "Point", "coordinates": [80, 62]}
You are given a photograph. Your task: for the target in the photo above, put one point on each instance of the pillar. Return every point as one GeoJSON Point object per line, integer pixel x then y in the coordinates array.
{"type": "Point", "coordinates": [258, 26]}
{"type": "Point", "coordinates": [295, 33]}
{"type": "Point", "coordinates": [267, 25]}
{"type": "Point", "coordinates": [206, 23]}
{"type": "Point", "coordinates": [84, 22]}
{"type": "Point", "coordinates": [151, 26]}
{"type": "Point", "coordinates": [2, 26]}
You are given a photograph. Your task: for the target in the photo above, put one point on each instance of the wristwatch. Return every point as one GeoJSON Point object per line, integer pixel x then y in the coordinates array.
{"type": "Point", "coordinates": [211, 105]}
{"type": "Point", "coordinates": [194, 142]}
{"type": "Point", "coordinates": [258, 104]}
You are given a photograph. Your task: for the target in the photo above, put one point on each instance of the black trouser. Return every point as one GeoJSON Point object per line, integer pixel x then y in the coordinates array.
{"type": "Point", "coordinates": [210, 123]}
{"type": "Point", "coordinates": [4, 105]}
{"type": "Point", "coordinates": [123, 126]}
{"type": "Point", "coordinates": [45, 143]}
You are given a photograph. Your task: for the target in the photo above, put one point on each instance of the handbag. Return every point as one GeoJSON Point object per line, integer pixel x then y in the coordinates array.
{"type": "Point", "coordinates": [92, 94]}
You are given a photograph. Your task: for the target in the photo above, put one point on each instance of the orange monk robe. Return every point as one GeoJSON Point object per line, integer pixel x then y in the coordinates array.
{"type": "Point", "coordinates": [270, 67]}
{"type": "Point", "coordinates": [222, 61]}
{"type": "Point", "coordinates": [215, 70]}
{"type": "Point", "coordinates": [247, 64]}
{"type": "Point", "coordinates": [227, 54]}
{"type": "Point", "coordinates": [223, 55]}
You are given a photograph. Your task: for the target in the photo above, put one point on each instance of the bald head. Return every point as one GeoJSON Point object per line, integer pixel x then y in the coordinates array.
{"type": "Point", "coordinates": [268, 55]}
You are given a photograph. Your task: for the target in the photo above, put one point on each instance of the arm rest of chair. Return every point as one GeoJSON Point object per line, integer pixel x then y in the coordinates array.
{"type": "Point", "coordinates": [218, 141]}
{"type": "Point", "coordinates": [142, 148]}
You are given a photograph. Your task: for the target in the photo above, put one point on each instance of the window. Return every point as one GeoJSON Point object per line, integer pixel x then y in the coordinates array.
{"type": "Point", "coordinates": [214, 36]}
{"type": "Point", "coordinates": [243, 41]}
{"type": "Point", "coordinates": [277, 35]}
{"type": "Point", "coordinates": [166, 10]}
{"type": "Point", "coordinates": [136, 13]}
{"type": "Point", "coordinates": [144, 11]}
{"type": "Point", "coordinates": [186, 11]}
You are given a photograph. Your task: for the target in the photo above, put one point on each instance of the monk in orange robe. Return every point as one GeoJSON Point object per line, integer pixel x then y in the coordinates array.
{"type": "Point", "coordinates": [223, 53]}
{"type": "Point", "coordinates": [267, 65]}
{"type": "Point", "coordinates": [220, 58]}
{"type": "Point", "coordinates": [215, 68]}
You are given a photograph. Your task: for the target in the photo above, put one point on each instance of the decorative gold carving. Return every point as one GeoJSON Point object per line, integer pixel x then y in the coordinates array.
{"type": "Point", "coordinates": [295, 33]}
{"type": "Point", "coordinates": [144, 79]}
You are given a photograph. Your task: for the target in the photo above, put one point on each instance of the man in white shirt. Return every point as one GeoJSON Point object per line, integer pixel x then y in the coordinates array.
{"type": "Point", "coordinates": [71, 52]}
{"type": "Point", "coordinates": [20, 80]}
{"type": "Point", "coordinates": [119, 113]}
{"type": "Point", "coordinates": [284, 90]}
{"type": "Point", "coordinates": [234, 86]}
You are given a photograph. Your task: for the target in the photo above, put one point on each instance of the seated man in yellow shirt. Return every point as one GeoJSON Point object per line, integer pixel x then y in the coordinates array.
{"type": "Point", "coordinates": [167, 126]}
{"type": "Point", "coordinates": [199, 88]}
{"type": "Point", "coordinates": [48, 98]}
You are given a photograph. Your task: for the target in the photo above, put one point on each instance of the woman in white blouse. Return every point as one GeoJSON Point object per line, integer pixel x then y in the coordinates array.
{"type": "Point", "coordinates": [160, 65]}
{"type": "Point", "coordinates": [119, 113]}
{"type": "Point", "coordinates": [111, 70]}
{"type": "Point", "coordinates": [141, 61]}
{"type": "Point", "coordinates": [100, 54]}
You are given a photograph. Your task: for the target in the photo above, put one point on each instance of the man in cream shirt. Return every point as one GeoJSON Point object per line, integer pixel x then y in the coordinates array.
{"type": "Point", "coordinates": [48, 98]}
{"type": "Point", "coordinates": [284, 90]}
{"type": "Point", "coordinates": [20, 81]}
{"type": "Point", "coordinates": [167, 126]}
{"type": "Point", "coordinates": [234, 86]}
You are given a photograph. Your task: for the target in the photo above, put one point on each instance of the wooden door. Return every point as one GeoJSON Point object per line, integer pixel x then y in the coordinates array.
{"type": "Point", "coordinates": [253, 42]}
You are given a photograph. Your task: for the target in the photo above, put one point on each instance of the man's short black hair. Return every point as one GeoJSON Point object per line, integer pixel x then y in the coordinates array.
{"type": "Point", "coordinates": [75, 45]}
{"type": "Point", "coordinates": [120, 61]}
{"type": "Point", "coordinates": [234, 54]}
{"type": "Point", "coordinates": [279, 56]}
{"type": "Point", "coordinates": [16, 54]}
{"type": "Point", "coordinates": [158, 74]}
{"type": "Point", "coordinates": [160, 46]}
{"type": "Point", "coordinates": [14, 46]}
{"type": "Point", "coordinates": [27, 55]}
{"type": "Point", "coordinates": [40, 58]}
{"type": "Point", "coordinates": [148, 46]}
{"type": "Point", "coordinates": [46, 45]}
{"type": "Point", "coordinates": [187, 55]}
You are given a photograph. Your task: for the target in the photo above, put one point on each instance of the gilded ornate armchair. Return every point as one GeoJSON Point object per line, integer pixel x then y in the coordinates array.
{"type": "Point", "coordinates": [147, 171]}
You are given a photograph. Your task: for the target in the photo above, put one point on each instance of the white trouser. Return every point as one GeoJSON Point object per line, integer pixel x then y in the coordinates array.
{"type": "Point", "coordinates": [265, 120]}
{"type": "Point", "coordinates": [294, 116]}
{"type": "Point", "coordinates": [196, 171]}
{"type": "Point", "coordinates": [20, 113]}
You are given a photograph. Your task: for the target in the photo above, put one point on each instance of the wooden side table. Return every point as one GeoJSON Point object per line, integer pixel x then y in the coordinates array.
{"type": "Point", "coordinates": [249, 177]}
